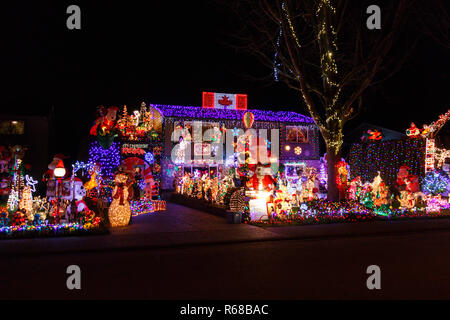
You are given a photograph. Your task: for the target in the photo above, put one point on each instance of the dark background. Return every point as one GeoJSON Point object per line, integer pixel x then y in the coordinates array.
{"type": "Point", "coordinates": [169, 52]}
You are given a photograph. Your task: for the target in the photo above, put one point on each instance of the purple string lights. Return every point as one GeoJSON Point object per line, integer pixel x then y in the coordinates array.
{"type": "Point", "coordinates": [107, 159]}
{"type": "Point", "coordinates": [210, 113]}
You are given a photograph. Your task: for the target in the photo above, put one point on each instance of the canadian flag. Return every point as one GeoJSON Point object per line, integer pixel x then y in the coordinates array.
{"type": "Point", "coordinates": [224, 101]}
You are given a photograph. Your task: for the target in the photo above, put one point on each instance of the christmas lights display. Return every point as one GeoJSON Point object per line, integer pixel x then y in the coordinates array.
{"type": "Point", "coordinates": [231, 124]}
{"type": "Point", "coordinates": [372, 135]}
{"type": "Point", "coordinates": [263, 195]}
{"type": "Point", "coordinates": [48, 230]}
{"type": "Point", "coordinates": [142, 145]}
{"type": "Point", "coordinates": [429, 131]}
{"type": "Point", "coordinates": [440, 155]}
{"type": "Point", "coordinates": [406, 182]}
{"type": "Point", "coordinates": [29, 216]}
{"type": "Point", "coordinates": [381, 178]}
{"type": "Point", "coordinates": [107, 159]}
{"type": "Point", "coordinates": [119, 213]}
{"type": "Point", "coordinates": [130, 159]}
{"type": "Point", "coordinates": [191, 112]}
{"type": "Point", "coordinates": [366, 159]}
{"type": "Point", "coordinates": [135, 158]}
{"type": "Point", "coordinates": [141, 206]}
{"type": "Point", "coordinates": [436, 182]}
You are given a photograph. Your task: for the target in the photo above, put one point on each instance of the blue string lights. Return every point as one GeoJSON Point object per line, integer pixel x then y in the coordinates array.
{"type": "Point", "coordinates": [107, 159]}
{"type": "Point", "coordinates": [276, 64]}
{"type": "Point", "coordinates": [149, 158]}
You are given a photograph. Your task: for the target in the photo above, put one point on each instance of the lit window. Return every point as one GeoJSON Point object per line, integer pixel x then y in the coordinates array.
{"type": "Point", "coordinates": [12, 127]}
{"type": "Point", "coordinates": [297, 134]}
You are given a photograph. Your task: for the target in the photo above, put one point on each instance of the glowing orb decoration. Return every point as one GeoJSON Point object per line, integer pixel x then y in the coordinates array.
{"type": "Point", "coordinates": [287, 148]}
{"type": "Point", "coordinates": [298, 151]}
{"type": "Point", "coordinates": [248, 118]}
{"type": "Point", "coordinates": [149, 158]}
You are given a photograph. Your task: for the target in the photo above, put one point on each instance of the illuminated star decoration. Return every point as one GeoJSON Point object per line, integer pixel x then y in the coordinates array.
{"type": "Point", "coordinates": [31, 183]}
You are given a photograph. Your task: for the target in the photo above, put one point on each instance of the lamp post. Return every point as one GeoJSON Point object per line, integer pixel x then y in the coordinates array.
{"type": "Point", "coordinates": [59, 172]}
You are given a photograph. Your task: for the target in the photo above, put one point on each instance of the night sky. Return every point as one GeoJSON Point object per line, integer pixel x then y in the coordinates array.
{"type": "Point", "coordinates": [169, 52]}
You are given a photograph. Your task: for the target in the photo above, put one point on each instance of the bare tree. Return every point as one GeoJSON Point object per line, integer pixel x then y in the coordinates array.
{"type": "Point", "coordinates": [324, 50]}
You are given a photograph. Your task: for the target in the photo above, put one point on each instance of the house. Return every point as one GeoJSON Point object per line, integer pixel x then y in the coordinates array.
{"type": "Point", "coordinates": [292, 138]}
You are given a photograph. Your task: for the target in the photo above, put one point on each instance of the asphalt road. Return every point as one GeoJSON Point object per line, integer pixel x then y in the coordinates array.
{"type": "Point", "coordinates": [413, 266]}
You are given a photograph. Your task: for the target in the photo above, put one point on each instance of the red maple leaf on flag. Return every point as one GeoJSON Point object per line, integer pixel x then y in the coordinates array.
{"type": "Point", "coordinates": [225, 101]}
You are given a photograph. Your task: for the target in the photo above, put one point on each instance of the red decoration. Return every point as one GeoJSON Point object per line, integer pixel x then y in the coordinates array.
{"type": "Point", "coordinates": [374, 135]}
{"type": "Point", "coordinates": [413, 131]}
{"type": "Point", "coordinates": [341, 178]}
{"type": "Point", "coordinates": [225, 101]}
{"type": "Point", "coordinates": [133, 151]}
{"type": "Point", "coordinates": [208, 100]}
{"type": "Point", "coordinates": [407, 181]}
{"type": "Point", "coordinates": [241, 101]}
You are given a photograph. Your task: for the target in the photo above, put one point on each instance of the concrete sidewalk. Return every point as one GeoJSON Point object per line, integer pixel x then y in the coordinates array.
{"type": "Point", "coordinates": [182, 226]}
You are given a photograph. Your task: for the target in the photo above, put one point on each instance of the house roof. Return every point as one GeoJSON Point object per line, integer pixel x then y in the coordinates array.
{"type": "Point", "coordinates": [357, 133]}
{"type": "Point", "coordinates": [207, 113]}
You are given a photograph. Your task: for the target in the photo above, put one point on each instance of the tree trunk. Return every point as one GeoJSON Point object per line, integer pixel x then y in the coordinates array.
{"type": "Point", "coordinates": [333, 157]}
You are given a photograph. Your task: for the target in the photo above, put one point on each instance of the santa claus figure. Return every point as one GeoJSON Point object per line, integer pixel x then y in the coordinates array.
{"type": "Point", "coordinates": [48, 175]}
{"type": "Point", "coordinates": [262, 179]}
{"type": "Point", "coordinates": [355, 188]}
{"type": "Point", "coordinates": [407, 181]}
{"type": "Point", "coordinates": [413, 131]}
{"type": "Point", "coordinates": [150, 186]}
